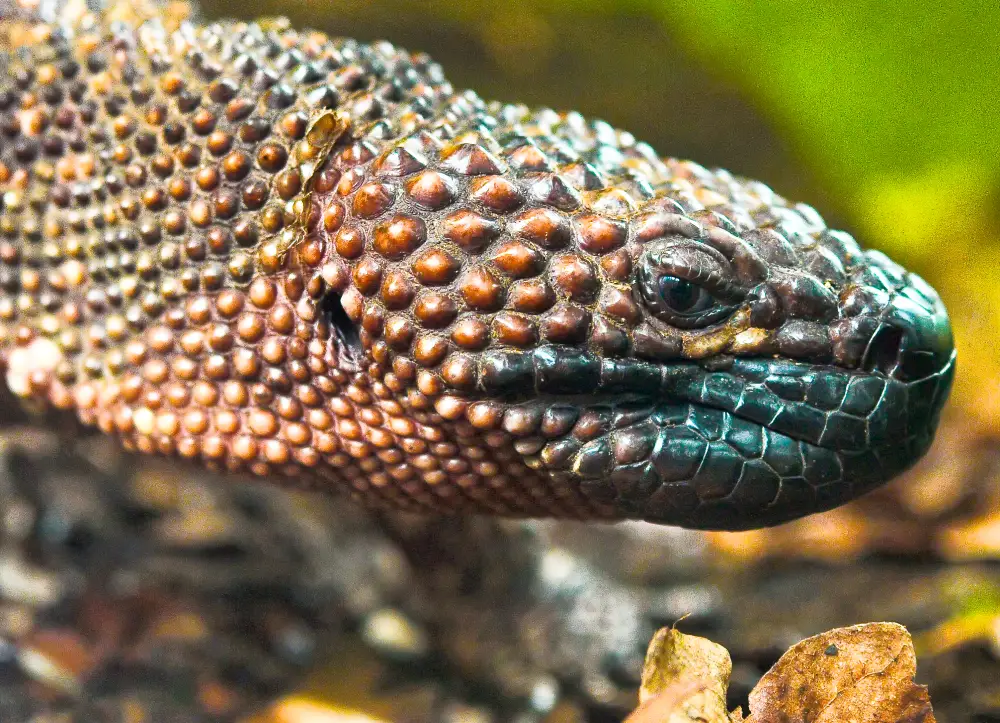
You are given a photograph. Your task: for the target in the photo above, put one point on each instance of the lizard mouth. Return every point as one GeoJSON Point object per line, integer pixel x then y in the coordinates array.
{"type": "Point", "coordinates": [731, 442]}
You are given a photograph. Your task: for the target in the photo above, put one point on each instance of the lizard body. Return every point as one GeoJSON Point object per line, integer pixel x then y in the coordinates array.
{"type": "Point", "coordinates": [312, 259]}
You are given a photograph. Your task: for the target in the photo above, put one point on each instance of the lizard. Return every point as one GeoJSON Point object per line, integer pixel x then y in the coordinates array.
{"type": "Point", "coordinates": [312, 259]}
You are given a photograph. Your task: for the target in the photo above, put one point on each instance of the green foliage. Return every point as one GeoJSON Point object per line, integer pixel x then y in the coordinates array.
{"type": "Point", "coordinates": [866, 87]}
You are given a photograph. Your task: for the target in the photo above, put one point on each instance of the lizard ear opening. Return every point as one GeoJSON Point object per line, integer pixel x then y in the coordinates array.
{"type": "Point", "coordinates": [345, 332]}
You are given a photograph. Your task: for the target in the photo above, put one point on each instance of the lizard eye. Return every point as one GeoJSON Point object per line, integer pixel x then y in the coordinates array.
{"type": "Point", "coordinates": [680, 296]}
{"type": "Point", "coordinates": [685, 285]}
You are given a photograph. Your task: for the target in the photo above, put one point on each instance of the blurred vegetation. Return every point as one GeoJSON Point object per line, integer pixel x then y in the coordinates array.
{"type": "Point", "coordinates": [882, 114]}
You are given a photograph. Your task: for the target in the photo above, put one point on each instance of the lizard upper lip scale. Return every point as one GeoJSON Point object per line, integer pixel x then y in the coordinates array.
{"type": "Point", "coordinates": [315, 260]}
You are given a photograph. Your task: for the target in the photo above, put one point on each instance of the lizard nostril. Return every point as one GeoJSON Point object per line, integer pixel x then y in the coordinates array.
{"type": "Point", "coordinates": [883, 351]}
{"type": "Point", "coordinates": [349, 350]}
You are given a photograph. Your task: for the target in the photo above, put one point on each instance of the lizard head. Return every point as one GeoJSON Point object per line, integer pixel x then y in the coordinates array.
{"type": "Point", "coordinates": [708, 355]}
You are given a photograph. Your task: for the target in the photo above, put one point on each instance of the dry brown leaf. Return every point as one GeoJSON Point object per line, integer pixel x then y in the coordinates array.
{"type": "Point", "coordinates": [861, 674]}
{"type": "Point", "coordinates": [685, 678]}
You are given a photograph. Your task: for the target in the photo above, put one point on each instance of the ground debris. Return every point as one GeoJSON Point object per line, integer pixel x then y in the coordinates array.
{"type": "Point", "coordinates": [684, 679]}
{"type": "Point", "coordinates": [862, 674]}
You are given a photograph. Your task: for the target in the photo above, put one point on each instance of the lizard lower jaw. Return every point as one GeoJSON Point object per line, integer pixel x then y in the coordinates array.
{"type": "Point", "coordinates": [758, 442]}
{"type": "Point", "coordinates": [795, 441]}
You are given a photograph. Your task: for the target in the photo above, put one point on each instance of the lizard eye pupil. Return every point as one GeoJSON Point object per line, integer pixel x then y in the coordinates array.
{"type": "Point", "coordinates": [682, 296]}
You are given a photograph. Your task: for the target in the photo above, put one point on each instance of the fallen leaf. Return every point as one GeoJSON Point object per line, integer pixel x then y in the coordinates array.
{"type": "Point", "coordinates": [684, 678]}
{"type": "Point", "coordinates": [861, 674]}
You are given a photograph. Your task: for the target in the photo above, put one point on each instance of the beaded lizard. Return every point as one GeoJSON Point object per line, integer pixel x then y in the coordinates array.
{"type": "Point", "coordinates": [313, 259]}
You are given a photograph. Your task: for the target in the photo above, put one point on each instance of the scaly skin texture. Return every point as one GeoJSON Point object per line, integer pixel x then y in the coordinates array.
{"type": "Point", "coordinates": [313, 259]}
